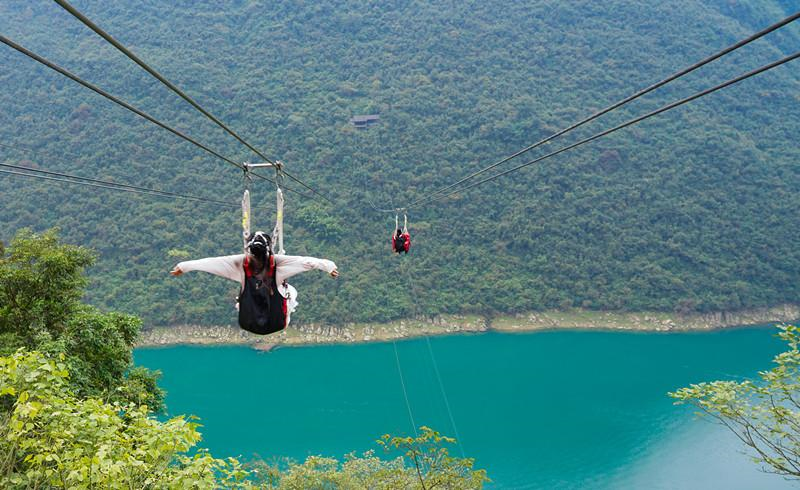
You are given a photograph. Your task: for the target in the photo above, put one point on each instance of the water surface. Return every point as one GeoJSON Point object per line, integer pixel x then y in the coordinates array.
{"type": "Point", "coordinates": [537, 410]}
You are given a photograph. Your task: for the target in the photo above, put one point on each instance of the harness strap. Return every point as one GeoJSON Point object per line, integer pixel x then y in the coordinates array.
{"type": "Point", "coordinates": [271, 272]}
{"type": "Point", "coordinates": [245, 217]}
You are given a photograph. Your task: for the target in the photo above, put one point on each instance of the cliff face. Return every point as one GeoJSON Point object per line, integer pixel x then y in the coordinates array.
{"type": "Point", "coordinates": [574, 319]}
{"type": "Point", "coordinates": [645, 321]}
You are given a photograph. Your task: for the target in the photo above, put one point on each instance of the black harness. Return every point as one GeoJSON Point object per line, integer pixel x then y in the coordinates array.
{"type": "Point", "coordinates": [262, 308]}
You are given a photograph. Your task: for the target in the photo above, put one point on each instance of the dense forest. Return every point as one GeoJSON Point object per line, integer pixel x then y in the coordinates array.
{"type": "Point", "coordinates": [695, 210]}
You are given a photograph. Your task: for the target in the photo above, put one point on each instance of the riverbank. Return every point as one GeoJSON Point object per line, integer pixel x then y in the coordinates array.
{"type": "Point", "coordinates": [451, 324]}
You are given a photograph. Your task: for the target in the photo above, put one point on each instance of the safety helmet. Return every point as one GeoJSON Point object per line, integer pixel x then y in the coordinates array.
{"type": "Point", "coordinates": [259, 244]}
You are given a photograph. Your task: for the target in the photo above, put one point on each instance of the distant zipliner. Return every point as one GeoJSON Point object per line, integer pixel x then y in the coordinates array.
{"type": "Point", "coordinates": [401, 239]}
{"type": "Point", "coordinates": [266, 300]}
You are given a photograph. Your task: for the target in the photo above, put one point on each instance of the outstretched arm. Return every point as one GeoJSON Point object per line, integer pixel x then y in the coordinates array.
{"type": "Point", "coordinates": [291, 265]}
{"type": "Point", "coordinates": [229, 267]}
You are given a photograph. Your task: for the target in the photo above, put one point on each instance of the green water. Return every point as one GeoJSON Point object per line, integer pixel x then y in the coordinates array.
{"type": "Point", "coordinates": [540, 410]}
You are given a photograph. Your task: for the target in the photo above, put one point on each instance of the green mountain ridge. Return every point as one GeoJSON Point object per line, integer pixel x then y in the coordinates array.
{"type": "Point", "coordinates": [694, 210]}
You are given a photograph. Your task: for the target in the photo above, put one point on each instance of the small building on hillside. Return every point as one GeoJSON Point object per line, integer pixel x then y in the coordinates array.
{"type": "Point", "coordinates": [363, 122]}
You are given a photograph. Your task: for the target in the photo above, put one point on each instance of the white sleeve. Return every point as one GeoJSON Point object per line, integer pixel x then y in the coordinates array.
{"type": "Point", "coordinates": [229, 266]}
{"type": "Point", "coordinates": [291, 265]}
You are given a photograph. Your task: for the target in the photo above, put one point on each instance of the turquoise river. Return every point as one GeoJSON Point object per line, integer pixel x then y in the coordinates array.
{"type": "Point", "coordinates": [578, 409]}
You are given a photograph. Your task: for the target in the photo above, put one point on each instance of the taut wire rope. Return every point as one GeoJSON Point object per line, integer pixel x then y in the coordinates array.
{"type": "Point", "coordinates": [127, 106]}
{"type": "Point", "coordinates": [620, 103]}
{"type": "Point", "coordinates": [623, 125]}
{"type": "Point", "coordinates": [403, 385]}
{"type": "Point", "coordinates": [128, 53]}
{"type": "Point", "coordinates": [414, 293]}
{"type": "Point", "coordinates": [111, 186]}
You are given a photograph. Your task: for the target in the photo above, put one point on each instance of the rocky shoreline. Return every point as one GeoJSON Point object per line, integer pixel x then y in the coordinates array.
{"type": "Point", "coordinates": [452, 324]}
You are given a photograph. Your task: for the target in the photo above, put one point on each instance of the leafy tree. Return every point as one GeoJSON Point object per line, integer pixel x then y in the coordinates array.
{"type": "Point", "coordinates": [423, 463]}
{"type": "Point", "coordinates": [41, 285]}
{"type": "Point", "coordinates": [764, 415]}
{"type": "Point", "coordinates": [50, 438]}
{"type": "Point", "coordinates": [432, 463]}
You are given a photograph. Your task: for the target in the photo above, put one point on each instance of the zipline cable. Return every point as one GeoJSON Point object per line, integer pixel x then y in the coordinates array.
{"type": "Point", "coordinates": [127, 106]}
{"type": "Point", "coordinates": [116, 184]}
{"type": "Point", "coordinates": [403, 385]}
{"type": "Point", "coordinates": [112, 187]}
{"type": "Point", "coordinates": [114, 99]}
{"type": "Point", "coordinates": [412, 287]}
{"type": "Point", "coordinates": [620, 103]}
{"type": "Point", "coordinates": [127, 52]}
{"type": "Point", "coordinates": [61, 156]}
{"type": "Point", "coordinates": [621, 126]}
{"type": "Point", "coordinates": [444, 396]}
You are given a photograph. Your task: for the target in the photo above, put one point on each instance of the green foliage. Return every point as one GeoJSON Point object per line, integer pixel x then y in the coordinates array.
{"type": "Point", "coordinates": [689, 211]}
{"type": "Point", "coordinates": [423, 463]}
{"type": "Point", "coordinates": [764, 415]}
{"type": "Point", "coordinates": [315, 219]}
{"type": "Point", "coordinates": [432, 463]}
{"type": "Point", "coordinates": [49, 438]}
{"type": "Point", "coordinates": [179, 254]}
{"type": "Point", "coordinates": [41, 285]}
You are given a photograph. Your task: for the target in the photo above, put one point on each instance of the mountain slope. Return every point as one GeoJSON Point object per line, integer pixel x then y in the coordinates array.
{"type": "Point", "coordinates": [693, 210]}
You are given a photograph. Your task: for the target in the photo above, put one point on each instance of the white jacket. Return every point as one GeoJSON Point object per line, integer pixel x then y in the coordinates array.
{"type": "Point", "coordinates": [232, 266]}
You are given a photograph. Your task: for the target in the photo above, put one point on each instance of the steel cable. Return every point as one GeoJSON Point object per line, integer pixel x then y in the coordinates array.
{"type": "Point", "coordinates": [128, 53]}
{"type": "Point", "coordinates": [620, 103]}
{"type": "Point", "coordinates": [106, 185]}
{"type": "Point", "coordinates": [129, 107]}
{"type": "Point", "coordinates": [624, 125]}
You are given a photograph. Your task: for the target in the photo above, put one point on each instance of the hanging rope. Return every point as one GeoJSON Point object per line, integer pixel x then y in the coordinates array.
{"type": "Point", "coordinates": [403, 385]}
{"type": "Point", "coordinates": [277, 232]}
{"type": "Point", "coordinates": [444, 396]}
{"type": "Point", "coordinates": [246, 213]}
{"type": "Point", "coordinates": [412, 287]}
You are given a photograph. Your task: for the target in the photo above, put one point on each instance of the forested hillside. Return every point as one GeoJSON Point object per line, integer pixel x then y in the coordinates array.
{"type": "Point", "coordinates": [695, 210]}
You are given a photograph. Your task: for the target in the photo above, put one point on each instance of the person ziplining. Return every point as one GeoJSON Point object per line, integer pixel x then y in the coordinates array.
{"type": "Point", "coordinates": [266, 300]}
{"type": "Point", "coordinates": [401, 240]}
